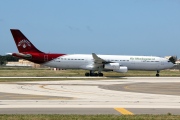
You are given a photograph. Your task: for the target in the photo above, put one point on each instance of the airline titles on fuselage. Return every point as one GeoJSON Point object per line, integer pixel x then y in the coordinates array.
{"type": "Point", "coordinates": [141, 58]}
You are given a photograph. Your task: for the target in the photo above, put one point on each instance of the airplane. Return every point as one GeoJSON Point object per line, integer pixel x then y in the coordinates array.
{"type": "Point", "coordinates": [91, 62]}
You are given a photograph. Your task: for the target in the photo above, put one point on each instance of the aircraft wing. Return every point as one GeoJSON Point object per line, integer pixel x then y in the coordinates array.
{"type": "Point", "coordinates": [98, 60]}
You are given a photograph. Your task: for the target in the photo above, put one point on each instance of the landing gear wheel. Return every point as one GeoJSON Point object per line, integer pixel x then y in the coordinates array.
{"type": "Point", "coordinates": [91, 73]}
{"type": "Point", "coordinates": [95, 74]}
{"type": "Point", "coordinates": [157, 75]}
{"type": "Point", "coordinates": [87, 74]}
{"type": "Point", "coordinates": [100, 74]}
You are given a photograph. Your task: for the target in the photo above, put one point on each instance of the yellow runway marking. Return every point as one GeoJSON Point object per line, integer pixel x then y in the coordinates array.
{"type": "Point", "coordinates": [124, 111]}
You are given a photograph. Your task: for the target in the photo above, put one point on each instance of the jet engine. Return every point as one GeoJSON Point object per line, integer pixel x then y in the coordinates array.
{"type": "Point", "coordinates": [122, 69]}
{"type": "Point", "coordinates": [116, 67]}
{"type": "Point", "coordinates": [112, 66]}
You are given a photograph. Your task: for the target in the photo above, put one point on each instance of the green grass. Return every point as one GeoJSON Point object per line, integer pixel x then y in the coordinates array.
{"type": "Point", "coordinates": [26, 72]}
{"type": "Point", "coordinates": [89, 117]}
{"type": "Point", "coordinates": [30, 72]}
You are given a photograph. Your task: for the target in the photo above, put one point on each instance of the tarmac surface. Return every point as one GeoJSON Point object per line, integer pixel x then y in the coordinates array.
{"type": "Point", "coordinates": [128, 95]}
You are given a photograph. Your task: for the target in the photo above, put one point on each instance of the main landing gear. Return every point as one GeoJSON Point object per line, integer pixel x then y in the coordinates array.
{"type": "Point", "coordinates": [91, 73]}
{"type": "Point", "coordinates": [157, 74]}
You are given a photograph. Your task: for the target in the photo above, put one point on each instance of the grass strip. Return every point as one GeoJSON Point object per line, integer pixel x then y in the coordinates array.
{"type": "Point", "coordinates": [27, 72]}
{"type": "Point", "coordinates": [89, 117]}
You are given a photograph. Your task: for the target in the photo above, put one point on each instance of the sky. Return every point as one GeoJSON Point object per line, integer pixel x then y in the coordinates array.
{"type": "Point", "coordinates": [118, 27]}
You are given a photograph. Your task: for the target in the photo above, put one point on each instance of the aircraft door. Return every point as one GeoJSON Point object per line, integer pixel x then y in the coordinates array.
{"type": "Point", "coordinates": [45, 57]}
{"type": "Point", "coordinates": [162, 63]}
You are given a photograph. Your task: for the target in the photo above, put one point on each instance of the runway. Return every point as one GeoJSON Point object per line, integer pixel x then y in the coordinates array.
{"type": "Point", "coordinates": [128, 95]}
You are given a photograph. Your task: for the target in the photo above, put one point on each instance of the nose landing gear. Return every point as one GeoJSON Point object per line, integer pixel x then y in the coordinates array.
{"type": "Point", "coordinates": [157, 74]}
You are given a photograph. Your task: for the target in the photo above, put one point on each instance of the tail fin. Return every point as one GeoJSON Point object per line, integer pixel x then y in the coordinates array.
{"type": "Point", "coordinates": [22, 43]}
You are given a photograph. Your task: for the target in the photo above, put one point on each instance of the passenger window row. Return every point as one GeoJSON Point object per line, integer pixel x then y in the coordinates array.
{"type": "Point", "coordinates": [69, 59]}
{"type": "Point", "coordinates": [117, 60]}
{"type": "Point", "coordinates": [150, 61]}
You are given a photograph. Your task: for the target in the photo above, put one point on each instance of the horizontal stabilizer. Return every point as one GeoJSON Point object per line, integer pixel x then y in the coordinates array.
{"type": "Point", "coordinates": [8, 53]}
{"type": "Point", "coordinates": [22, 55]}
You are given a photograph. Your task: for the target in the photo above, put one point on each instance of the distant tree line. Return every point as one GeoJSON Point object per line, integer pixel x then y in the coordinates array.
{"type": "Point", "coordinates": [7, 58]}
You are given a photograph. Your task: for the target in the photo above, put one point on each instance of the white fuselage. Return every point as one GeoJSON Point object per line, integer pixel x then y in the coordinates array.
{"type": "Point", "coordinates": [86, 61]}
